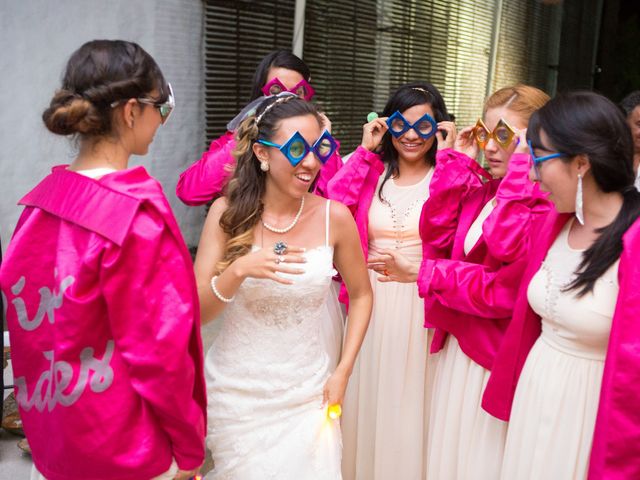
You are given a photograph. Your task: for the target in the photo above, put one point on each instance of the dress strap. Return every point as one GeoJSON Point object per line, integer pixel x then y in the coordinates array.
{"type": "Point", "coordinates": [326, 224]}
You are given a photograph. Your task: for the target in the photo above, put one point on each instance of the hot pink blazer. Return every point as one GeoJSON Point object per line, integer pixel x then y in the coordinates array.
{"type": "Point", "coordinates": [615, 451]}
{"type": "Point", "coordinates": [471, 296]}
{"type": "Point", "coordinates": [105, 333]}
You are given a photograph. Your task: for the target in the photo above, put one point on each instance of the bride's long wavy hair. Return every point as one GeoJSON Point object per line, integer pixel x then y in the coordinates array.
{"type": "Point", "coordinates": [247, 186]}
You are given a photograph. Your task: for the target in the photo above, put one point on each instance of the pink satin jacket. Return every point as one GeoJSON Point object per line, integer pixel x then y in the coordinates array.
{"type": "Point", "coordinates": [105, 335]}
{"type": "Point", "coordinates": [615, 453]}
{"type": "Point", "coordinates": [206, 179]}
{"type": "Point", "coordinates": [471, 296]}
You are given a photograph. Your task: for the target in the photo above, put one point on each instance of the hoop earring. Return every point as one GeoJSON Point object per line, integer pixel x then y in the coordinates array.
{"type": "Point", "coordinates": [579, 202]}
{"type": "Point", "coordinates": [264, 166]}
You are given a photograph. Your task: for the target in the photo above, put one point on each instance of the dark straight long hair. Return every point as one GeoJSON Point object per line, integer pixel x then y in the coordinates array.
{"type": "Point", "coordinates": [405, 97]}
{"type": "Point", "coordinates": [585, 123]}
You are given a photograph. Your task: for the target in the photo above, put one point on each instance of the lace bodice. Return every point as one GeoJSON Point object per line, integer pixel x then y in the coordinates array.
{"type": "Point", "coordinates": [266, 315]}
{"type": "Point", "coordinates": [282, 306]}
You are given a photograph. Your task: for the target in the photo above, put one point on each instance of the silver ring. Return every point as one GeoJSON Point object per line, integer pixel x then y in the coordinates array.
{"type": "Point", "coordinates": [279, 259]}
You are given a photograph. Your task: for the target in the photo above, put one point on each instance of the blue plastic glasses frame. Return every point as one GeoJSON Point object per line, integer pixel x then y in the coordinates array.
{"type": "Point", "coordinates": [536, 161]}
{"type": "Point", "coordinates": [315, 148]}
{"type": "Point", "coordinates": [407, 126]}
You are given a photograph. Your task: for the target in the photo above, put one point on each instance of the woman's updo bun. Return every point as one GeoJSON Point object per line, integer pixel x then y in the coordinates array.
{"type": "Point", "coordinates": [99, 74]}
{"type": "Point", "coordinates": [69, 114]}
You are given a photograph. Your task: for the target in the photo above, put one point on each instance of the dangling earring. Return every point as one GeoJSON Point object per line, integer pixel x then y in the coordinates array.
{"type": "Point", "coordinates": [264, 166]}
{"type": "Point", "coordinates": [579, 211]}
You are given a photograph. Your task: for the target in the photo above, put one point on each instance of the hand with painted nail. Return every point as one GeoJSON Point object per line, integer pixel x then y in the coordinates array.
{"type": "Point", "coordinates": [393, 266]}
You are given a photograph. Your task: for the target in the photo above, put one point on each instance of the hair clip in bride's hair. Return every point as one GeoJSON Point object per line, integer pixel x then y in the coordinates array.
{"type": "Point", "coordinates": [250, 111]}
{"type": "Point", "coordinates": [282, 97]}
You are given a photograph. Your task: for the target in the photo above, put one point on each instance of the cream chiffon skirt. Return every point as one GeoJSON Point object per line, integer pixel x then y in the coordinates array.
{"type": "Point", "coordinates": [386, 409]}
{"type": "Point", "coordinates": [553, 416]}
{"type": "Point", "coordinates": [465, 442]}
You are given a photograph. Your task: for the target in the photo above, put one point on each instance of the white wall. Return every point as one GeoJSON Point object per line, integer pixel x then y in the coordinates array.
{"type": "Point", "coordinates": [36, 39]}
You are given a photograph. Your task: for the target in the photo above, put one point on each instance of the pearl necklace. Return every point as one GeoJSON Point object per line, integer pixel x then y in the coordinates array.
{"type": "Point", "coordinates": [286, 229]}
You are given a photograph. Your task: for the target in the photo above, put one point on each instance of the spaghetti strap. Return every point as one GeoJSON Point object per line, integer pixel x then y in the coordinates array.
{"type": "Point", "coordinates": [326, 226]}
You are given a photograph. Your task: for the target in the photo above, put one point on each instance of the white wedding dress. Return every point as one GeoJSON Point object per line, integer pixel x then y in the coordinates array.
{"type": "Point", "coordinates": [265, 374]}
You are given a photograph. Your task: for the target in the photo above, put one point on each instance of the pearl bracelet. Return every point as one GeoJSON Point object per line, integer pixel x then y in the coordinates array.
{"type": "Point", "coordinates": [218, 294]}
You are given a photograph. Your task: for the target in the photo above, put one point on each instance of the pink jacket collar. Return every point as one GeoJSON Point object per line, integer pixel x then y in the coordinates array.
{"type": "Point", "coordinates": [79, 199]}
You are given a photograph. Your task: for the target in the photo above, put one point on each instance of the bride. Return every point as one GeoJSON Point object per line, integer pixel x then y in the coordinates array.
{"type": "Point", "coordinates": [266, 253]}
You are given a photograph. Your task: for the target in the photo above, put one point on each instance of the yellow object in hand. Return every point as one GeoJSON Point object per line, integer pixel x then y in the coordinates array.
{"type": "Point", "coordinates": [334, 411]}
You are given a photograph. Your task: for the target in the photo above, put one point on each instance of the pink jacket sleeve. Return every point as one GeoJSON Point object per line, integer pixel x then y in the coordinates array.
{"type": "Point", "coordinates": [347, 184]}
{"type": "Point", "coordinates": [327, 172]}
{"type": "Point", "coordinates": [205, 179]}
{"type": "Point", "coordinates": [470, 287]}
{"type": "Point", "coordinates": [477, 289]}
{"type": "Point", "coordinates": [453, 179]}
{"type": "Point", "coordinates": [615, 453]}
{"type": "Point", "coordinates": [518, 202]}
{"type": "Point", "coordinates": [151, 299]}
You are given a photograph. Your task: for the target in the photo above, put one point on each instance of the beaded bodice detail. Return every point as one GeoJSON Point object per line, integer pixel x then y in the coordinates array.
{"type": "Point", "coordinates": [394, 218]}
{"type": "Point", "coordinates": [577, 325]}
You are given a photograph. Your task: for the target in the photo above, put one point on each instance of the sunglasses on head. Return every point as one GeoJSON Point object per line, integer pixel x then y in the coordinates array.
{"type": "Point", "coordinates": [297, 148]}
{"type": "Point", "coordinates": [164, 108]}
{"type": "Point", "coordinates": [425, 126]}
{"type": "Point", "coordinates": [503, 133]}
{"type": "Point", "coordinates": [303, 89]}
{"type": "Point", "coordinates": [537, 161]}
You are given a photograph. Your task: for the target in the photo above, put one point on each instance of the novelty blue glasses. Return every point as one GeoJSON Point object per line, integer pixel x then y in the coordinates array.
{"type": "Point", "coordinates": [425, 126]}
{"type": "Point", "coordinates": [296, 148]}
{"type": "Point", "coordinates": [538, 160]}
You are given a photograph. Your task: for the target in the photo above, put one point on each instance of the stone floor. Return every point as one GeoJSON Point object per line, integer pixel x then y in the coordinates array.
{"type": "Point", "coordinates": [16, 465]}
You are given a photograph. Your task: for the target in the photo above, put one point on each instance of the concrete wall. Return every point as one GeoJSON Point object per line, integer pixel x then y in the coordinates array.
{"type": "Point", "coordinates": [38, 36]}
